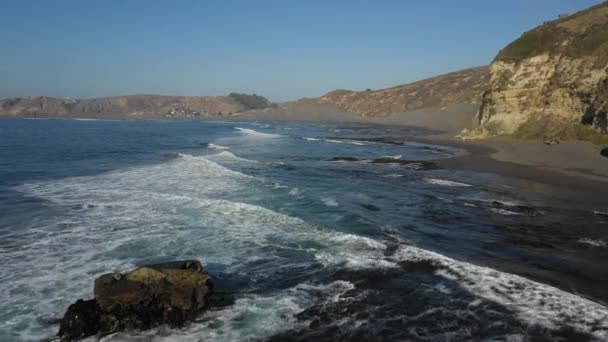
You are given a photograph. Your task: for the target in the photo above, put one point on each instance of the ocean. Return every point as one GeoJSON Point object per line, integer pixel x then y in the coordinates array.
{"type": "Point", "coordinates": [315, 231]}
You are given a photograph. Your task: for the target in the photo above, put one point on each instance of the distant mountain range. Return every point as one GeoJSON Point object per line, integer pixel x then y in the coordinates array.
{"type": "Point", "coordinates": [552, 82]}
{"type": "Point", "coordinates": [135, 106]}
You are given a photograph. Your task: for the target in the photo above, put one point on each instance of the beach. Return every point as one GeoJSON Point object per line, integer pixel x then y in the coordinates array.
{"type": "Point", "coordinates": [575, 168]}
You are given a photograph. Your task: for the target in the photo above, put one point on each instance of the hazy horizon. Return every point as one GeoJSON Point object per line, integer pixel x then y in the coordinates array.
{"type": "Point", "coordinates": [281, 50]}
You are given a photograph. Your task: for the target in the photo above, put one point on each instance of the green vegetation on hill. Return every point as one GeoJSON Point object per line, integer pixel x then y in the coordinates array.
{"type": "Point", "coordinates": [581, 34]}
{"type": "Point", "coordinates": [252, 101]}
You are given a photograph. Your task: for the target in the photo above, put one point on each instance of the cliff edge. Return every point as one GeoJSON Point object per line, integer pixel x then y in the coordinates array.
{"type": "Point", "coordinates": [551, 83]}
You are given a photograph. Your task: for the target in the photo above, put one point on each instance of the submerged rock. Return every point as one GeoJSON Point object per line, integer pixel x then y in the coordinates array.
{"type": "Point", "coordinates": [416, 165]}
{"type": "Point", "coordinates": [370, 207]}
{"type": "Point", "coordinates": [169, 293]}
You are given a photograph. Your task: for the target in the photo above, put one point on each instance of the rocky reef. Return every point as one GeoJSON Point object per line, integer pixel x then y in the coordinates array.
{"type": "Point", "coordinates": [169, 293]}
{"type": "Point", "coordinates": [551, 83]}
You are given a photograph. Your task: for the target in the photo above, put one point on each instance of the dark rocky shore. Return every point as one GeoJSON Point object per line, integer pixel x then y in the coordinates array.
{"type": "Point", "coordinates": [170, 293]}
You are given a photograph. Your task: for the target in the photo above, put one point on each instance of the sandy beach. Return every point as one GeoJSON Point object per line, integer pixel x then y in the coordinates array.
{"type": "Point", "coordinates": [571, 169]}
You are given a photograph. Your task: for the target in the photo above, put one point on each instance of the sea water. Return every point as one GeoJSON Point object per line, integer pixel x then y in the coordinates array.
{"type": "Point", "coordinates": [317, 231]}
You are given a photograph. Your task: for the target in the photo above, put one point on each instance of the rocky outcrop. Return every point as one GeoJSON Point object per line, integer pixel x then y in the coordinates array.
{"type": "Point", "coordinates": [169, 293]}
{"type": "Point", "coordinates": [465, 86]}
{"type": "Point", "coordinates": [135, 106]}
{"type": "Point", "coordinates": [551, 83]}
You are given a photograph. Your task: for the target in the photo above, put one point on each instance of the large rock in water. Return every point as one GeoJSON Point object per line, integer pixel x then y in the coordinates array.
{"type": "Point", "coordinates": [169, 293]}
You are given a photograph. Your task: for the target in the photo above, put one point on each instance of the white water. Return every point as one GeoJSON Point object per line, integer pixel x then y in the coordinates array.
{"type": "Point", "coordinates": [180, 209]}
{"type": "Point", "coordinates": [255, 134]}
{"type": "Point", "coordinates": [444, 182]}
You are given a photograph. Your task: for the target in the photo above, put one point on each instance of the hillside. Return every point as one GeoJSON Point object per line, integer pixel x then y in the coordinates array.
{"type": "Point", "coordinates": [135, 106]}
{"type": "Point", "coordinates": [552, 82]}
{"type": "Point", "coordinates": [465, 86]}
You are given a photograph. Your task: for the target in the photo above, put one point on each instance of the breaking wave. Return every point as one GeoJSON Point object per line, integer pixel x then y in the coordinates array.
{"type": "Point", "coordinates": [443, 182]}
{"type": "Point", "coordinates": [255, 134]}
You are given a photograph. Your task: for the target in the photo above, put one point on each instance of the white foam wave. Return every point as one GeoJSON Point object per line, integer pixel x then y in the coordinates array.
{"type": "Point", "coordinates": [346, 141]}
{"type": "Point", "coordinates": [330, 202]}
{"type": "Point", "coordinates": [505, 212]}
{"type": "Point", "coordinates": [444, 182]}
{"type": "Point", "coordinates": [175, 210]}
{"type": "Point", "coordinates": [229, 156]}
{"type": "Point", "coordinates": [593, 242]}
{"type": "Point", "coordinates": [396, 157]}
{"type": "Point", "coordinates": [217, 147]}
{"type": "Point", "coordinates": [534, 303]}
{"type": "Point", "coordinates": [206, 166]}
{"type": "Point", "coordinates": [295, 192]}
{"type": "Point", "coordinates": [392, 175]}
{"type": "Point", "coordinates": [256, 134]}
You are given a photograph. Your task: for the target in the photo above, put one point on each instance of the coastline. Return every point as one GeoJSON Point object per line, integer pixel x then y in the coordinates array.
{"type": "Point", "coordinates": [573, 164]}
{"type": "Point", "coordinates": [573, 171]}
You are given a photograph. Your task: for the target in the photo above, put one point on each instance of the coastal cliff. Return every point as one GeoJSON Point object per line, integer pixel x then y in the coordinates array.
{"type": "Point", "coordinates": [464, 86]}
{"type": "Point", "coordinates": [135, 106]}
{"type": "Point", "coordinates": [551, 83]}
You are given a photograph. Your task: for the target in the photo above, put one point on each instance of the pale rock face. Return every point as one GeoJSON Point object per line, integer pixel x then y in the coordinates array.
{"type": "Point", "coordinates": [538, 97]}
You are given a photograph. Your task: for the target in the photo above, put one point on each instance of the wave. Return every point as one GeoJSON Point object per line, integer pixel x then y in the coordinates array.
{"type": "Point", "coordinates": [210, 168]}
{"type": "Point", "coordinates": [116, 220]}
{"type": "Point", "coordinates": [256, 134]}
{"type": "Point", "coordinates": [533, 302]}
{"type": "Point", "coordinates": [330, 202]}
{"type": "Point", "coordinates": [505, 212]}
{"type": "Point", "coordinates": [443, 182]}
{"type": "Point", "coordinates": [229, 156]}
{"type": "Point", "coordinates": [593, 242]}
{"type": "Point", "coordinates": [345, 141]}
{"type": "Point", "coordinates": [217, 147]}
{"type": "Point", "coordinates": [339, 141]}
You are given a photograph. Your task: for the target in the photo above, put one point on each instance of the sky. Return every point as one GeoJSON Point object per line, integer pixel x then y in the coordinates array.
{"type": "Point", "coordinates": [282, 49]}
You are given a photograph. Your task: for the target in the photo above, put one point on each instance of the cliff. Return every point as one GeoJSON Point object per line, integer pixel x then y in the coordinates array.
{"type": "Point", "coordinates": [552, 82]}
{"type": "Point", "coordinates": [135, 106]}
{"type": "Point", "coordinates": [465, 86]}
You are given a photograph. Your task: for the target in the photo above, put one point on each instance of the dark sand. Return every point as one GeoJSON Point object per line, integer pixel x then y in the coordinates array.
{"type": "Point", "coordinates": [572, 172]}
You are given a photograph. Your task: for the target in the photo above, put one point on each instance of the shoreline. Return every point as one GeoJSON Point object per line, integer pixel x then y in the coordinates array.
{"type": "Point", "coordinates": [576, 168]}
{"type": "Point", "coordinates": [573, 171]}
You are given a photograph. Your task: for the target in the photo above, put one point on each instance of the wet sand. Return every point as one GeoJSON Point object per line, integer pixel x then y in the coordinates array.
{"type": "Point", "coordinates": [573, 172]}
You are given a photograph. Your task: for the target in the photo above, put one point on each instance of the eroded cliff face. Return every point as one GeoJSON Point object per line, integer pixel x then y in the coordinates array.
{"type": "Point", "coordinates": [550, 83]}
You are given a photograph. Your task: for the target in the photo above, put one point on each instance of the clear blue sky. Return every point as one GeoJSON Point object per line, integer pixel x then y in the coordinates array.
{"type": "Point", "coordinates": [281, 49]}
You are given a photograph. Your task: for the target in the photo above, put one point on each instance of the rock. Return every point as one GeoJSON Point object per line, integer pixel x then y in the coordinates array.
{"type": "Point", "coordinates": [551, 82]}
{"type": "Point", "coordinates": [169, 293]}
{"type": "Point", "coordinates": [370, 207]}
{"type": "Point", "coordinates": [82, 319]}
{"type": "Point", "coordinates": [604, 152]}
